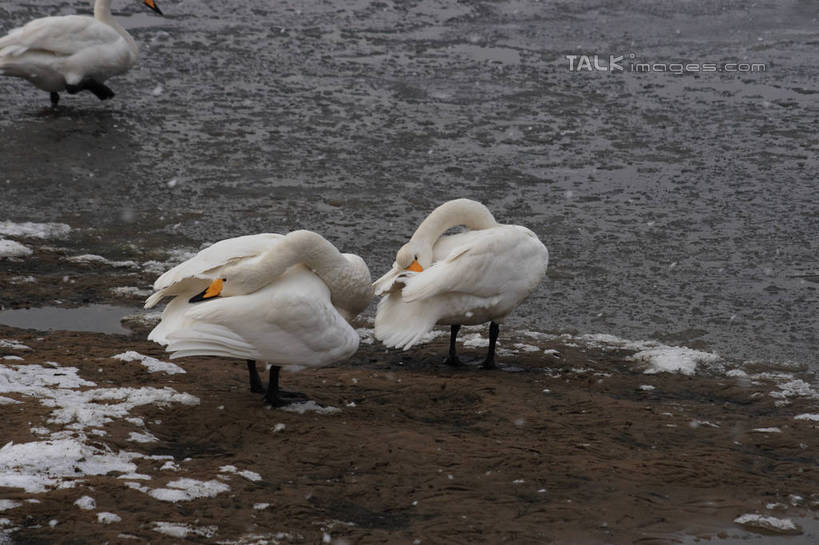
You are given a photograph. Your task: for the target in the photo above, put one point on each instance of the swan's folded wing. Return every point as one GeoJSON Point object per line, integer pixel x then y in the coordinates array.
{"type": "Point", "coordinates": [473, 270]}
{"type": "Point", "coordinates": [62, 36]}
{"type": "Point", "coordinates": [288, 328]}
{"type": "Point", "coordinates": [204, 265]}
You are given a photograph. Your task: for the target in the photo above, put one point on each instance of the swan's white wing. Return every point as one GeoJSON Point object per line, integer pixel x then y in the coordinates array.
{"type": "Point", "coordinates": [204, 266]}
{"type": "Point", "coordinates": [61, 36]}
{"type": "Point", "coordinates": [291, 323]}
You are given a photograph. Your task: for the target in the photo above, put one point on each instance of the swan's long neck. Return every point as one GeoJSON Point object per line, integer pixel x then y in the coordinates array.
{"type": "Point", "coordinates": [348, 287]}
{"type": "Point", "coordinates": [468, 213]}
{"type": "Point", "coordinates": [102, 13]}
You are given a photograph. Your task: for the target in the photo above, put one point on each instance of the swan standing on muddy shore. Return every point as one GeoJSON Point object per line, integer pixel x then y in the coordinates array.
{"type": "Point", "coordinates": [71, 53]}
{"type": "Point", "coordinates": [468, 278]}
{"type": "Point", "coordinates": [284, 299]}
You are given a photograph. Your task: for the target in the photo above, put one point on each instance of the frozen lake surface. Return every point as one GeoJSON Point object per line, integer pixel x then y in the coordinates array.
{"type": "Point", "coordinates": [676, 207]}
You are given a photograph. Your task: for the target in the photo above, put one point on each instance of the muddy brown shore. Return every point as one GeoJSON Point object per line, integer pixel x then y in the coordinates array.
{"type": "Point", "coordinates": [570, 448]}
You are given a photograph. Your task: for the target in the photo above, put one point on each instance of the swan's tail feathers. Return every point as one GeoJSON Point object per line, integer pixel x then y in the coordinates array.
{"type": "Point", "coordinates": [399, 324]}
{"type": "Point", "coordinates": [209, 340]}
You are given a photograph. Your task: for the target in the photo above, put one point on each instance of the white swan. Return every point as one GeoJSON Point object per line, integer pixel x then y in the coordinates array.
{"type": "Point", "coordinates": [467, 278]}
{"type": "Point", "coordinates": [284, 299]}
{"type": "Point", "coordinates": [70, 53]}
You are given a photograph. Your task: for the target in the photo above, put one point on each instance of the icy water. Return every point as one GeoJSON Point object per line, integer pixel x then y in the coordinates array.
{"type": "Point", "coordinates": [99, 318]}
{"type": "Point", "coordinates": [676, 207]}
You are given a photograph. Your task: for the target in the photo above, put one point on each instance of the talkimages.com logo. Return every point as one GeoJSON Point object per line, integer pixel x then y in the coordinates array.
{"type": "Point", "coordinates": [628, 63]}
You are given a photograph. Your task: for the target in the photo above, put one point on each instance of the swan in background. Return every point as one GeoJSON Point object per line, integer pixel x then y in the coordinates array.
{"type": "Point", "coordinates": [468, 278]}
{"type": "Point", "coordinates": [70, 53]}
{"type": "Point", "coordinates": [284, 299]}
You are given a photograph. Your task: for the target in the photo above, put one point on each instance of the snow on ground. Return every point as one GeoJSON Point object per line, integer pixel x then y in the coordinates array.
{"type": "Point", "coordinates": [63, 456]}
{"type": "Point", "coordinates": [10, 248]}
{"type": "Point", "coordinates": [34, 230]}
{"type": "Point", "coordinates": [131, 291]}
{"type": "Point", "coordinates": [98, 259]}
{"type": "Point", "coordinates": [673, 359]}
{"type": "Point", "coordinates": [174, 529]}
{"type": "Point", "coordinates": [108, 518]}
{"type": "Point", "coordinates": [769, 524]}
{"type": "Point", "coordinates": [310, 406]}
{"type": "Point", "coordinates": [188, 489]}
{"type": "Point", "coordinates": [152, 364]}
{"type": "Point", "coordinates": [807, 416]}
{"type": "Point", "coordinates": [247, 474]}
{"type": "Point", "coordinates": [42, 465]}
{"type": "Point", "coordinates": [11, 344]}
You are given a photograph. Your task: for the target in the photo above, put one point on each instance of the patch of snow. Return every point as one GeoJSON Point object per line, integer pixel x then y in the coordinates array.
{"type": "Point", "coordinates": [698, 423]}
{"type": "Point", "coordinates": [260, 506]}
{"type": "Point", "coordinates": [40, 465]}
{"type": "Point", "coordinates": [132, 291]}
{"type": "Point", "coordinates": [475, 340]}
{"type": "Point", "coordinates": [153, 365]}
{"type": "Point", "coordinates": [807, 416]}
{"type": "Point", "coordinates": [8, 401]}
{"type": "Point", "coordinates": [142, 437]}
{"type": "Point", "coordinates": [769, 524]}
{"type": "Point", "coordinates": [673, 359]}
{"type": "Point", "coordinates": [249, 475]}
{"type": "Point", "coordinates": [10, 248]}
{"type": "Point", "coordinates": [174, 529]}
{"type": "Point", "coordinates": [11, 344]}
{"type": "Point", "coordinates": [767, 430]}
{"type": "Point", "coordinates": [98, 259]}
{"type": "Point", "coordinates": [794, 388]}
{"type": "Point", "coordinates": [13, 358]}
{"type": "Point", "coordinates": [34, 230]}
{"type": "Point", "coordinates": [647, 387]}
{"type": "Point", "coordinates": [523, 347]}
{"type": "Point", "coordinates": [278, 427]}
{"type": "Point", "coordinates": [170, 466]}
{"type": "Point", "coordinates": [108, 518]}
{"type": "Point", "coordinates": [86, 502]}
{"type": "Point", "coordinates": [5, 505]}
{"type": "Point", "coordinates": [188, 489]}
{"type": "Point", "coordinates": [310, 406]}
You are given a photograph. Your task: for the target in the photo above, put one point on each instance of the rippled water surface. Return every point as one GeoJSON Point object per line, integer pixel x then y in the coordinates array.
{"type": "Point", "coordinates": [676, 207]}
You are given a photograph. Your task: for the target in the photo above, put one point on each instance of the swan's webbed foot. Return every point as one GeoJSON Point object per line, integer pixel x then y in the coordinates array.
{"type": "Point", "coordinates": [55, 99]}
{"type": "Point", "coordinates": [282, 398]}
{"type": "Point", "coordinates": [277, 397]}
{"type": "Point", "coordinates": [256, 385]}
{"type": "Point", "coordinates": [453, 361]}
{"type": "Point", "coordinates": [100, 90]}
{"type": "Point", "coordinates": [489, 363]}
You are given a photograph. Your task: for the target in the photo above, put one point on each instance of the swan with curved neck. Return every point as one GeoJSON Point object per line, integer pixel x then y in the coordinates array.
{"type": "Point", "coordinates": [286, 300]}
{"type": "Point", "coordinates": [468, 278]}
{"type": "Point", "coordinates": [71, 53]}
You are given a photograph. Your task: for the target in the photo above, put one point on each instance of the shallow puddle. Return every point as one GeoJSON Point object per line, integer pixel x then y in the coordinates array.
{"type": "Point", "coordinates": [96, 318]}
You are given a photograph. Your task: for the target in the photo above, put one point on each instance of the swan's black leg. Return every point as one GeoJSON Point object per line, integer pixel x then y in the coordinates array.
{"type": "Point", "coordinates": [55, 99]}
{"type": "Point", "coordinates": [452, 359]}
{"type": "Point", "coordinates": [489, 362]}
{"type": "Point", "coordinates": [256, 385]}
{"type": "Point", "coordinates": [277, 397]}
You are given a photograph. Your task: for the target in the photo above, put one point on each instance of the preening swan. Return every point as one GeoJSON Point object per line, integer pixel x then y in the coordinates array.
{"type": "Point", "coordinates": [284, 299]}
{"type": "Point", "coordinates": [468, 278]}
{"type": "Point", "coordinates": [70, 53]}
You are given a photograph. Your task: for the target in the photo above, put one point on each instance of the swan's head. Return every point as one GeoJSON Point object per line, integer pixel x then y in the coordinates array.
{"type": "Point", "coordinates": [233, 280]}
{"type": "Point", "coordinates": [151, 4]}
{"type": "Point", "coordinates": [414, 257]}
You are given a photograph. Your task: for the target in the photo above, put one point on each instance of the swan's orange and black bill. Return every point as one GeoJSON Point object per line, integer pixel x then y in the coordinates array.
{"type": "Point", "coordinates": [415, 266]}
{"type": "Point", "coordinates": [151, 4]}
{"type": "Point", "coordinates": [212, 291]}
